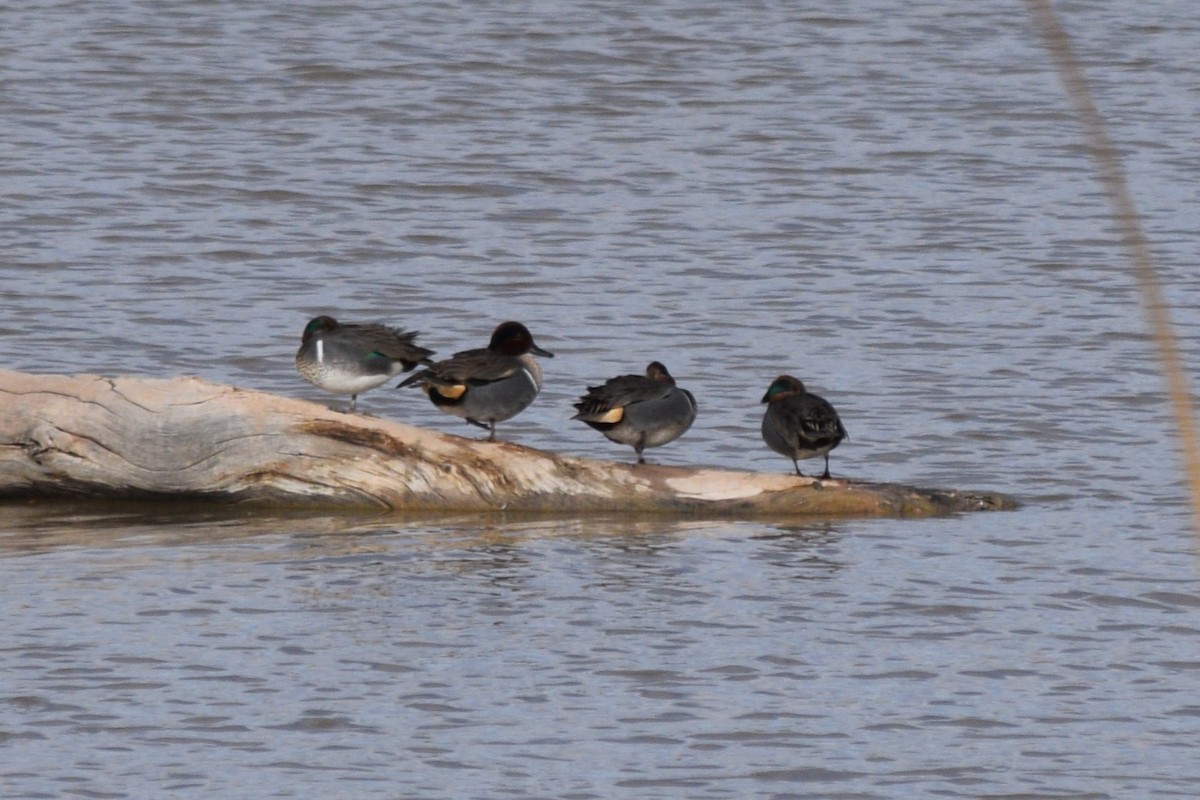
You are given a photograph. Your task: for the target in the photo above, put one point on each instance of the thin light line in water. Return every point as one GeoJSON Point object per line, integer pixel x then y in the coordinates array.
{"type": "Point", "coordinates": [1133, 236]}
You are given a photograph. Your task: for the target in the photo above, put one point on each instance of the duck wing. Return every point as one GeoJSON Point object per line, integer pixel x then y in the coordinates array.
{"type": "Point", "coordinates": [396, 344]}
{"type": "Point", "coordinates": [619, 392]}
{"type": "Point", "coordinates": [472, 368]}
{"type": "Point", "coordinates": [813, 418]}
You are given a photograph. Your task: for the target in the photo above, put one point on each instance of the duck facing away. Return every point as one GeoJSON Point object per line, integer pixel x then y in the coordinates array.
{"type": "Point", "coordinates": [639, 410]}
{"type": "Point", "coordinates": [487, 385]}
{"type": "Point", "coordinates": [798, 424]}
{"type": "Point", "coordinates": [350, 359]}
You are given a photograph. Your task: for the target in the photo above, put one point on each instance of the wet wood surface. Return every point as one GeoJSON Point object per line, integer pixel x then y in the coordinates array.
{"type": "Point", "coordinates": [191, 439]}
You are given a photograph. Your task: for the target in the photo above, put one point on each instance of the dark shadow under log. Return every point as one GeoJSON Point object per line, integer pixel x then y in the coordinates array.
{"type": "Point", "coordinates": [187, 438]}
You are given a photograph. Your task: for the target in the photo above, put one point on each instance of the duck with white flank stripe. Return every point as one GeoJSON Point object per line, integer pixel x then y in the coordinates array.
{"type": "Point", "coordinates": [350, 359]}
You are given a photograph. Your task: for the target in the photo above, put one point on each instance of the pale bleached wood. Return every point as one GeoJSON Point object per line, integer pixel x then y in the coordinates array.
{"type": "Point", "coordinates": [186, 438]}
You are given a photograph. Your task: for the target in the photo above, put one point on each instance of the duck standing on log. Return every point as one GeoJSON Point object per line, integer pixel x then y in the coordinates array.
{"type": "Point", "coordinates": [345, 358]}
{"type": "Point", "coordinates": [798, 424]}
{"type": "Point", "coordinates": [639, 410]}
{"type": "Point", "coordinates": [487, 385]}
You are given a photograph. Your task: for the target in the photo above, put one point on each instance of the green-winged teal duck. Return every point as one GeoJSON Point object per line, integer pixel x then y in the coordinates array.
{"type": "Point", "coordinates": [639, 410]}
{"type": "Point", "coordinates": [344, 358]}
{"type": "Point", "coordinates": [798, 424]}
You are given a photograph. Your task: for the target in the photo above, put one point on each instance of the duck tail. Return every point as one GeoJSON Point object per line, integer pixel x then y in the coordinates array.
{"type": "Point", "coordinates": [416, 377]}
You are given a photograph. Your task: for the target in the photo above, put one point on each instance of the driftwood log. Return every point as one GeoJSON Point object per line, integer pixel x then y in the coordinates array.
{"type": "Point", "coordinates": [190, 439]}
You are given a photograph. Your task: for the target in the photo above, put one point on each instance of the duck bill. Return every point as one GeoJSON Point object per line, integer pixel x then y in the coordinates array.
{"type": "Point", "coordinates": [537, 351]}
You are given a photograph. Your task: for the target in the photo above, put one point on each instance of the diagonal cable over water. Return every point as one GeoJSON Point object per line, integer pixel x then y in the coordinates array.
{"type": "Point", "coordinates": [1133, 236]}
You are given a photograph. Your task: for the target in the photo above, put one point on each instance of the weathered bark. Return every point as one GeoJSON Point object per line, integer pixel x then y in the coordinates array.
{"type": "Point", "coordinates": [187, 438]}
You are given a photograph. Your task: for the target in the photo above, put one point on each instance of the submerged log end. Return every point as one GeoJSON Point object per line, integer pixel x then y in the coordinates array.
{"type": "Point", "coordinates": [188, 438]}
{"type": "Point", "coordinates": [847, 497]}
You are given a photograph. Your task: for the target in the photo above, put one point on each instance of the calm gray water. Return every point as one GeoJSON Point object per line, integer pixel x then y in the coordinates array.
{"type": "Point", "coordinates": [888, 200]}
